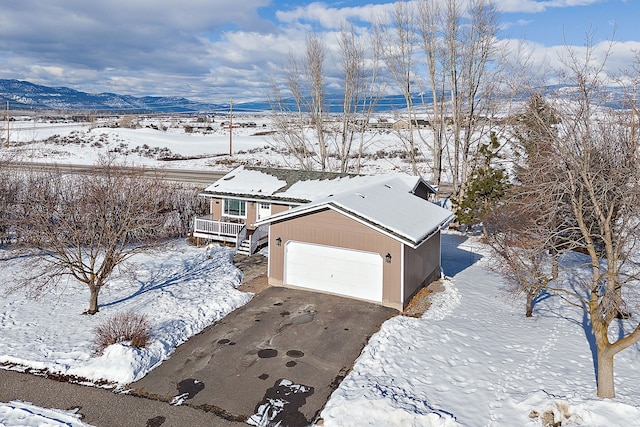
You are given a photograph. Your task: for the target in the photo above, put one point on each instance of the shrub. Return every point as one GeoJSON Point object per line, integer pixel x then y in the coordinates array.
{"type": "Point", "coordinates": [122, 327]}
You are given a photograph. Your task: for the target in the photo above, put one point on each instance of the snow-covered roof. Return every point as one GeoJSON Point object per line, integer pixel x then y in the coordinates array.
{"type": "Point", "coordinates": [387, 205]}
{"type": "Point", "coordinates": [295, 186]}
{"type": "Point", "coordinates": [246, 181]}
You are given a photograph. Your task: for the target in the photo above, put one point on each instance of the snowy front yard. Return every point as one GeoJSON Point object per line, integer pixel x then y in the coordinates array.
{"type": "Point", "coordinates": [472, 360]}
{"type": "Point", "coordinates": [181, 288]}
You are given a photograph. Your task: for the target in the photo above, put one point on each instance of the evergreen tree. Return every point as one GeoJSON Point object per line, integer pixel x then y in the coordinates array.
{"type": "Point", "coordinates": [485, 187]}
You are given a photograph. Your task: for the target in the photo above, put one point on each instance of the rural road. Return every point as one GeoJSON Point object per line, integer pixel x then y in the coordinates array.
{"type": "Point", "coordinates": [198, 177]}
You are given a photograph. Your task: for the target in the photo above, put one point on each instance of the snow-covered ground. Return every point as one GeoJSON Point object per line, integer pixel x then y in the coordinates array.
{"type": "Point", "coordinates": [472, 360]}
{"type": "Point", "coordinates": [160, 138]}
{"type": "Point", "coordinates": [182, 289]}
{"type": "Point", "coordinates": [23, 414]}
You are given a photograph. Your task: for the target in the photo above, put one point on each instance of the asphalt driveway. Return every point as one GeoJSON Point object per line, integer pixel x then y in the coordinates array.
{"type": "Point", "coordinates": [279, 357]}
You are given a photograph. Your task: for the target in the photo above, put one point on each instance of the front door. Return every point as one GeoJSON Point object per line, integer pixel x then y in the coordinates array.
{"type": "Point", "coordinates": [264, 210]}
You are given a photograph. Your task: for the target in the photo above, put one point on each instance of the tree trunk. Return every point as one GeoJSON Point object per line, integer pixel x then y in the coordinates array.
{"type": "Point", "coordinates": [604, 350]}
{"type": "Point", "coordinates": [606, 388]}
{"type": "Point", "coordinates": [93, 299]}
{"type": "Point", "coordinates": [529, 309]}
{"type": "Point", "coordinates": [555, 265]}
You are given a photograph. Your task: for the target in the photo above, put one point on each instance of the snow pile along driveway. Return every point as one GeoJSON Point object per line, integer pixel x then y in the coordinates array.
{"type": "Point", "coordinates": [181, 288]}
{"type": "Point", "coordinates": [473, 359]}
{"type": "Point", "coordinates": [27, 415]}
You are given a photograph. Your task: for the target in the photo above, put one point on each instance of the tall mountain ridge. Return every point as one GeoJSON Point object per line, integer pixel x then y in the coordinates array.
{"type": "Point", "coordinates": [23, 95]}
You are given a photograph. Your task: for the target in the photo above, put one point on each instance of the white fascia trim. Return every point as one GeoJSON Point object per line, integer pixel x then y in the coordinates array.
{"type": "Point", "coordinates": [248, 198]}
{"type": "Point", "coordinates": [343, 211]}
{"type": "Point", "coordinates": [336, 207]}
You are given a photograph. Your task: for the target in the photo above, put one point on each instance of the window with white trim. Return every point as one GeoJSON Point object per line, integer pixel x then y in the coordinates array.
{"type": "Point", "coordinates": [235, 208]}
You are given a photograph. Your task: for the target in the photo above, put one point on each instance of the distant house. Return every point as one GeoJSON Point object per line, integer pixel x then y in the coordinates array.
{"type": "Point", "coordinates": [416, 124]}
{"type": "Point", "coordinates": [421, 123]}
{"type": "Point", "coordinates": [380, 123]}
{"type": "Point", "coordinates": [375, 238]}
{"type": "Point", "coordinates": [400, 124]}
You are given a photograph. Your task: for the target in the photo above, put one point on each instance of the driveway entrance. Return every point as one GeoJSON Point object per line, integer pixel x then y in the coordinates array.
{"type": "Point", "coordinates": [277, 358]}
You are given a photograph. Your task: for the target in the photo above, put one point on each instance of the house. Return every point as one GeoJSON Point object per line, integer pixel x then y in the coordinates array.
{"type": "Point", "coordinates": [416, 124]}
{"type": "Point", "coordinates": [375, 238]}
{"type": "Point", "coordinates": [379, 123]}
{"type": "Point", "coordinates": [400, 125]}
{"type": "Point", "coordinates": [248, 194]}
{"type": "Point", "coordinates": [421, 123]}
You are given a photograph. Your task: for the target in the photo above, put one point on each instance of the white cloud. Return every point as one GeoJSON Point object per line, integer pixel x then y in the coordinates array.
{"type": "Point", "coordinates": [118, 41]}
{"type": "Point", "coordinates": [546, 63]}
{"type": "Point", "coordinates": [202, 49]}
{"type": "Point", "coordinates": [332, 17]}
{"type": "Point", "coordinates": [533, 6]}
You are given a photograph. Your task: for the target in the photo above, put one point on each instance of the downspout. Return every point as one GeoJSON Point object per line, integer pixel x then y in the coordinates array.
{"type": "Point", "coordinates": [440, 255]}
{"type": "Point", "coordinates": [269, 260]}
{"type": "Point", "coordinates": [402, 275]}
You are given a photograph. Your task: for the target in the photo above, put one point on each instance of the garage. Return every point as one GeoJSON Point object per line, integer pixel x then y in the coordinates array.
{"type": "Point", "coordinates": [341, 271]}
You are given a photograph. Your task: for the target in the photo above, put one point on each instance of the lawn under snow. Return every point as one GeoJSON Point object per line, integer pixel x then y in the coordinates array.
{"type": "Point", "coordinates": [473, 359]}
{"type": "Point", "coordinates": [181, 288]}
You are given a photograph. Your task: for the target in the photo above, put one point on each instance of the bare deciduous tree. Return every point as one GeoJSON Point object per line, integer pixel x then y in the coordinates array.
{"type": "Point", "coordinates": [86, 227]}
{"type": "Point", "coordinates": [398, 41]}
{"type": "Point", "coordinates": [360, 94]}
{"type": "Point", "coordinates": [290, 117]}
{"type": "Point", "coordinates": [299, 105]}
{"type": "Point", "coordinates": [315, 74]}
{"type": "Point", "coordinates": [305, 83]}
{"type": "Point", "coordinates": [430, 15]}
{"type": "Point", "coordinates": [470, 45]}
{"type": "Point", "coordinates": [520, 257]}
{"type": "Point", "coordinates": [584, 195]}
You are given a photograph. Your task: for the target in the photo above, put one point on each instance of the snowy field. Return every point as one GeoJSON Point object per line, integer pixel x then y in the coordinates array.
{"type": "Point", "coordinates": [160, 138]}
{"type": "Point", "coordinates": [472, 360]}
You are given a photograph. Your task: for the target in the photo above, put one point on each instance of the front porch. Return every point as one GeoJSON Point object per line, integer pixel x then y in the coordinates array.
{"type": "Point", "coordinates": [206, 227]}
{"type": "Point", "coordinates": [236, 233]}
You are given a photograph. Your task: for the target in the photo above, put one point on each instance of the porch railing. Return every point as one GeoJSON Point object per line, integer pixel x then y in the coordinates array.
{"type": "Point", "coordinates": [209, 226]}
{"type": "Point", "coordinates": [242, 235]}
{"type": "Point", "coordinates": [260, 233]}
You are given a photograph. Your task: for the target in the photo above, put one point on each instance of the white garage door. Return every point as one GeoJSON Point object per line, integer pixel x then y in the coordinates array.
{"type": "Point", "coordinates": [336, 270]}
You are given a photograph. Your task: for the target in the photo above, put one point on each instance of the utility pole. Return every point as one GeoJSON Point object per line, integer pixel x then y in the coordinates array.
{"type": "Point", "coordinates": [8, 124]}
{"type": "Point", "coordinates": [633, 121]}
{"type": "Point", "coordinates": [230, 126]}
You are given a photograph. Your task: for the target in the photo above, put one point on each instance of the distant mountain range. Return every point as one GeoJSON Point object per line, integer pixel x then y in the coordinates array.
{"type": "Point", "coordinates": [23, 95]}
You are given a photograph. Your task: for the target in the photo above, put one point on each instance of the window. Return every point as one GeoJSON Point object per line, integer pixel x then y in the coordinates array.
{"type": "Point", "coordinates": [235, 207]}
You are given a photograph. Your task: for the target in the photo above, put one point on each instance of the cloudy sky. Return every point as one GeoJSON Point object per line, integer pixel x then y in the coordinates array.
{"type": "Point", "coordinates": [212, 49]}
